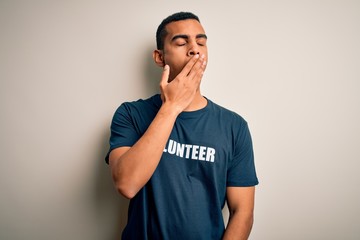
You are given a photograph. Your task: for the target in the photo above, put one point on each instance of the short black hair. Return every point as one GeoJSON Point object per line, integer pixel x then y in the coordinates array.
{"type": "Point", "coordinates": [161, 31]}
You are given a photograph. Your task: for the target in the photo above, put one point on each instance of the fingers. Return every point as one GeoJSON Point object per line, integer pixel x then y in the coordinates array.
{"type": "Point", "coordinates": [196, 59]}
{"type": "Point", "coordinates": [197, 71]}
{"type": "Point", "coordinates": [198, 68]}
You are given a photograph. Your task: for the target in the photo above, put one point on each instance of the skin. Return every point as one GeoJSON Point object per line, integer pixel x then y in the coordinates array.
{"type": "Point", "coordinates": [183, 60]}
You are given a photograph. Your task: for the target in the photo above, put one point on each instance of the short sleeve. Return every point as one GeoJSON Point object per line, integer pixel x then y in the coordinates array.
{"type": "Point", "coordinates": [241, 170]}
{"type": "Point", "coordinates": [123, 132]}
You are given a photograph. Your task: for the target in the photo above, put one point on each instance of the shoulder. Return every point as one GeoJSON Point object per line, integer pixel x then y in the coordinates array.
{"type": "Point", "coordinates": [152, 104]}
{"type": "Point", "coordinates": [135, 116]}
{"type": "Point", "coordinates": [226, 115]}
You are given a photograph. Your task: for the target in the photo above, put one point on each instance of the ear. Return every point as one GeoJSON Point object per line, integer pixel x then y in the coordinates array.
{"type": "Point", "coordinates": [158, 57]}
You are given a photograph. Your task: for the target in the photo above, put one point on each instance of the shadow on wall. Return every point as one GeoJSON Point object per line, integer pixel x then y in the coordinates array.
{"type": "Point", "coordinates": [152, 74]}
{"type": "Point", "coordinates": [111, 207]}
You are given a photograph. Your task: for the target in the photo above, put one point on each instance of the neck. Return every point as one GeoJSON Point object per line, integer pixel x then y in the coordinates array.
{"type": "Point", "coordinates": [198, 103]}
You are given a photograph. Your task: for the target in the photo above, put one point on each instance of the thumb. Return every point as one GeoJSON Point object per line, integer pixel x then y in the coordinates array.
{"type": "Point", "coordinates": [165, 76]}
{"type": "Point", "coordinates": [164, 81]}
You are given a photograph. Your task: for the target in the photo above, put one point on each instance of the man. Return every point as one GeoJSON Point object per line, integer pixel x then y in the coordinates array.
{"type": "Point", "coordinates": [178, 156]}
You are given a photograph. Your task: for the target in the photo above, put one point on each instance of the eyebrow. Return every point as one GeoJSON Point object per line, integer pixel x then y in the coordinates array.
{"type": "Point", "coordinates": [184, 36]}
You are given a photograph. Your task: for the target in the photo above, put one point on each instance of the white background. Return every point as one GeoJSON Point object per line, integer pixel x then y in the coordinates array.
{"type": "Point", "coordinates": [290, 68]}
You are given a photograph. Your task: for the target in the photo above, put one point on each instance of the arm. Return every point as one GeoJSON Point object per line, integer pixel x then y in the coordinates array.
{"type": "Point", "coordinates": [240, 201]}
{"type": "Point", "coordinates": [132, 167]}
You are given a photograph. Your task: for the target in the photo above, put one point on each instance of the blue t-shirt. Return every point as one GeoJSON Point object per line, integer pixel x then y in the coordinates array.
{"type": "Point", "coordinates": [207, 151]}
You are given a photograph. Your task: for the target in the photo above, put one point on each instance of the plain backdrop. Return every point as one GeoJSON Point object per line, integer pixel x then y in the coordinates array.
{"type": "Point", "coordinates": [290, 68]}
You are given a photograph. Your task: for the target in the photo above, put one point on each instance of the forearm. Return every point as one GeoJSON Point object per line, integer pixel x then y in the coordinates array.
{"type": "Point", "coordinates": [239, 226]}
{"type": "Point", "coordinates": [133, 169]}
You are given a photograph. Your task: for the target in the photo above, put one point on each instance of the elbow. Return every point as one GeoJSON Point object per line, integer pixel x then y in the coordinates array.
{"type": "Point", "coordinates": [126, 190]}
{"type": "Point", "coordinates": [127, 193]}
{"type": "Point", "coordinates": [125, 184]}
{"type": "Point", "coordinates": [125, 187]}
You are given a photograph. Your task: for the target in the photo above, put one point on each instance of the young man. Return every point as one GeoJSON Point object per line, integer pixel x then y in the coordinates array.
{"type": "Point", "coordinates": [177, 155]}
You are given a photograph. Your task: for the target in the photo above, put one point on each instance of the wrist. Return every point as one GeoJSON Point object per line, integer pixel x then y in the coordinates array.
{"type": "Point", "coordinates": [169, 110]}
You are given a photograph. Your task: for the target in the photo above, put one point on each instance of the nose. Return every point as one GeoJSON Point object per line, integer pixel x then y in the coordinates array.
{"type": "Point", "coordinates": [193, 50]}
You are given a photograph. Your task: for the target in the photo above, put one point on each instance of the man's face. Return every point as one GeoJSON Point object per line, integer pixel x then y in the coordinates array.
{"type": "Point", "coordinates": [185, 38]}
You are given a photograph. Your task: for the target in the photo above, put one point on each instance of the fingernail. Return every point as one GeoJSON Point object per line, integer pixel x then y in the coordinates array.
{"type": "Point", "coordinates": [166, 67]}
{"type": "Point", "coordinates": [204, 63]}
{"type": "Point", "coordinates": [202, 56]}
{"type": "Point", "coordinates": [197, 56]}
